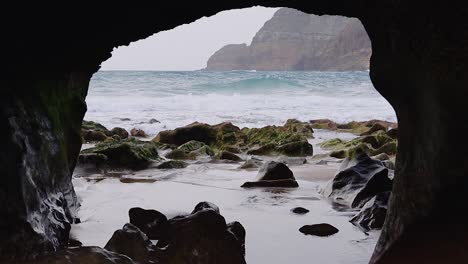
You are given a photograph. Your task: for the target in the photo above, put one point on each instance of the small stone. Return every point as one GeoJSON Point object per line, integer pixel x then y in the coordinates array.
{"type": "Point", "coordinates": [322, 230]}
{"type": "Point", "coordinates": [300, 210]}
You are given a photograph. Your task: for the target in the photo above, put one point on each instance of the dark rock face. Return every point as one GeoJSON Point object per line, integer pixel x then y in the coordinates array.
{"type": "Point", "coordinates": [273, 174]}
{"type": "Point", "coordinates": [372, 214]}
{"type": "Point", "coordinates": [359, 180]}
{"type": "Point", "coordinates": [150, 222]}
{"type": "Point", "coordinates": [293, 40]}
{"type": "Point", "coordinates": [131, 242]}
{"type": "Point", "coordinates": [416, 65]}
{"type": "Point", "coordinates": [322, 230]}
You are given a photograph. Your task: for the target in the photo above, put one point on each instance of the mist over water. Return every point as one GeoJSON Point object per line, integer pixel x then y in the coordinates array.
{"type": "Point", "coordinates": [245, 98]}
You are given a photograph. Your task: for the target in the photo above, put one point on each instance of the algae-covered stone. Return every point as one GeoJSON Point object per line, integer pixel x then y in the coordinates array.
{"type": "Point", "coordinates": [191, 146]}
{"type": "Point", "coordinates": [225, 155]}
{"type": "Point", "coordinates": [178, 154]}
{"type": "Point", "coordinates": [300, 148]}
{"type": "Point", "coordinates": [133, 154]}
{"type": "Point", "coordinates": [195, 131]}
{"type": "Point", "coordinates": [135, 132]}
{"type": "Point", "coordinates": [172, 164]}
{"type": "Point", "coordinates": [122, 133]}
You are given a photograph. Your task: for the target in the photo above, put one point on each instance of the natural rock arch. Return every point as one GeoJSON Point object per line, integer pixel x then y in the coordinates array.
{"type": "Point", "coordinates": [419, 64]}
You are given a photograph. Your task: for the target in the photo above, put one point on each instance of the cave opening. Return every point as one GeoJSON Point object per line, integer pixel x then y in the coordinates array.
{"type": "Point", "coordinates": [316, 69]}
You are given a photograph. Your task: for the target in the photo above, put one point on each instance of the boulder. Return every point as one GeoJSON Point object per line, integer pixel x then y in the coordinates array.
{"type": "Point", "coordinates": [225, 155]}
{"type": "Point", "coordinates": [172, 164]}
{"type": "Point", "coordinates": [130, 153]}
{"type": "Point", "coordinates": [85, 255]}
{"type": "Point", "coordinates": [301, 148]}
{"type": "Point", "coordinates": [273, 174]}
{"type": "Point", "coordinates": [323, 124]}
{"type": "Point", "coordinates": [94, 136]}
{"type": "Point", "coordinates": [292, 161]}
{"type": "Point", "coordinates": [131, 242]}
{"type": "Point", "coordinates": [373, 213]}
{"type": "Point", "coordinates": [151, 222]}
{"type": "Point", "coordinates": [202, 237]}
{"type": "Point", "coordinates": [375, 127]}
{"type": "Point", "coordinates": [289, 183]}
{"type": "Point", "coordinates": [96, 159]}
{"type": "Point", "coordinates": [122, 133]}
{"type": "Point", "coordinates": [299, 210]}
{"type": "Point", "coordinates": [393, 133]}
{"type": "Point", "coordinates": [358, 180]}
{"type": "Point", "coordinates": [273, 170]}
{"type": "Point", "coordinates": [204, 206]}
{"type": "Point", "coordinates": [251, 163]}
{"type": "Point", "coordinates": [135, 132]}
{"type": "Point", "coordinates": [178, 154]}
{"type": "Point", "coordinates": [195, 131]}
{"type": "Point", "coordinates": [191, 146]}
{"type": "Point", "coordinates": [322, 230]}
{"type": "Point", "coordinates": [153, 121]}
{"type": "Point", "coordinates": [301, 128]}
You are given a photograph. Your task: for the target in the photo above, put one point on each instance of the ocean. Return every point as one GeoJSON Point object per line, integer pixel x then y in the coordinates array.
{"type": "Point", "coordinates": [131, 99]}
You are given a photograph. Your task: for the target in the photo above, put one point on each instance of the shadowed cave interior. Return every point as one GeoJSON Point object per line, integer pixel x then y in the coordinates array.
{"type": "Point", "coordinates": [418, 64]}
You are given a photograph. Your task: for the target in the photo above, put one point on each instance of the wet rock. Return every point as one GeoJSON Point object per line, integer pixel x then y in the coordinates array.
{"type": "Point", "coordinates": [204, 206]}
{"type": "Point", "coordinates": [252, 163]}
{"type": "Point", "coordinates": [172, 164]}
{"type": "Point", "coordinates": [74, 243]}
{"type": "Point", "coordinates": [191, 146]}
{"type": "Point", "coordinates": [96, 159]}
{"type": "Point", "coordinates": [273, 174]}
{"type": "Point", "coordinates": [372, 214]}
{"type": "Point", "coordinates": [289, 183]}
{"type": "Point", "coordinates": [178, 154]}
{"type": "Point", "coordinates": [94, 136]}
{"type": "Point", "coordinates": [265, 150]}
{"type": "Point", "coordinates": [374, 144]}
{"type": "Point", "coordinates": [122, 133]}
{"type": "Point", "coordinates": [273, 170]}
{"type": "Point", "coordinates": [323, 124]}
{"type": "Point", "coordinates": [153, 121]}
{"type": "Point", "coordinates": [195, 131]}
{"type": "Point", "coordinates": [300, 148]}
{"type": "Point", "coordinates": [393, 133]}
{"type": "Point", "coordinates": [238, 231]}
{"type": "Point", "coordinates": [358, 181]}
{"type": "Point", "coordinates": [297, 127]}
{"type": "Point", "coordinates": [135, 132]}
{"type": "Point", "coordinates": [300, 210]}
{"type": "Point", "coordinates": [292, 161]}
{"type": "Point", "coordinates": [132, 242]}
{"type": "Point", "coordinates": [376, 127]}
{"type": "Point", "coordinates": [225, 155]}
{"type": "Point", "coordinates": [381, 157]}
{"type": "Point", "coordinates": [78, 255]}
{"type": "Point", "coordinates": [322, 230]}
{"type": "Point", "coordinates": [130, 153]}
{"type": "Point", "coordinates": [202, 237]}
{"type": "Point", "coordinates": [151, 222]}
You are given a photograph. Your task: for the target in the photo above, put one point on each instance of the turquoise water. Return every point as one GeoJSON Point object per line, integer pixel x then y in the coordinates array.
{"type": "Point", "coordinates": [246, 98]}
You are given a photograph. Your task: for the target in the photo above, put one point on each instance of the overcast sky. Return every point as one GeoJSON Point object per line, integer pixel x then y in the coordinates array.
{"type": "Point", "coordinates": [188, 47]}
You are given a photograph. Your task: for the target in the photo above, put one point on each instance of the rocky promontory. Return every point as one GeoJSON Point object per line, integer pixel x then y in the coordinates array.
{"type": "Point", "coordinates": [293, 40]}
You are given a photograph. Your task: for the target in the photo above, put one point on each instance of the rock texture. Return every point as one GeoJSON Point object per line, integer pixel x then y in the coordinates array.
{"type": "Point", "coordinates": [293, 40]}
{"type": "Point", "coordinates": [419, 63]}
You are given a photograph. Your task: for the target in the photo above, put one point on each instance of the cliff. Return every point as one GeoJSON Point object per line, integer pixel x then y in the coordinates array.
{"type": "Point", "coordinates": [293, 40]}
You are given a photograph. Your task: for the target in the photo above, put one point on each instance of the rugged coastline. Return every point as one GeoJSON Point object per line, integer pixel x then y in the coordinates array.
{"type": "Point", "coordinates": [343, 181]}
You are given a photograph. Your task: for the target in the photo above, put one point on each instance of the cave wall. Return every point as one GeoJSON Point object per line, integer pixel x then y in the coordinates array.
{"type": "Point", "coordinates": [419, 65]}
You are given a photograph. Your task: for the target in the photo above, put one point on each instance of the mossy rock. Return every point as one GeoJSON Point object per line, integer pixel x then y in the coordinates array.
{"type": "Point", "coordinates": [133, 154]}
{"type": "Point", "coordinates": [178, 154]}
{"type": "Point", "coordinates": [172, 164]}
{"type": "Point", "coordinates": [91, 125]}
{"type": "Point", "coordinates": [334, 143]}
{"type": "Point", "coordinates": [296, 149]}
{"type": "Point", "coordinates": [195, 131]}
{"type": "Point", "coordinates": [297, 127]}
{"type": "Point", "coordinates": [118, 131]}
{"type": "Point", "coordinates": [323, 124]}
{"type": "Point", "coordinates": [226, 155]}
{"type": "Point", "coordinates": [265, 150]}
{"type": "Point", "coordinates": [191, 146]}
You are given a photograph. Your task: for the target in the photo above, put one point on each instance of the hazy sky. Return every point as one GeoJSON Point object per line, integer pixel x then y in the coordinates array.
{"type": "Point", "coordinates": [189, 46]}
